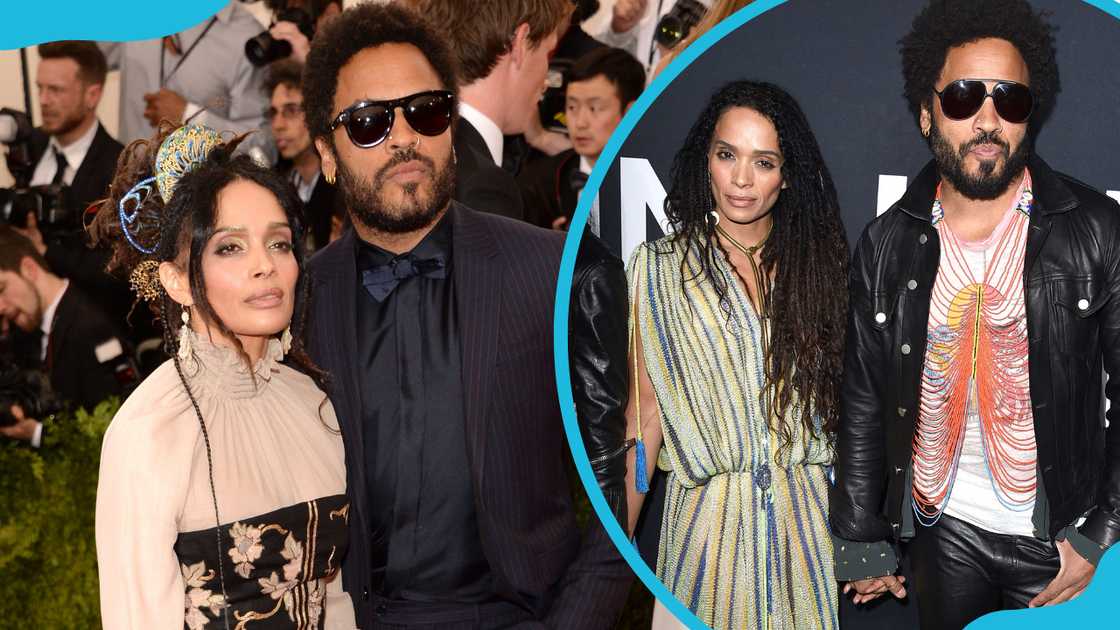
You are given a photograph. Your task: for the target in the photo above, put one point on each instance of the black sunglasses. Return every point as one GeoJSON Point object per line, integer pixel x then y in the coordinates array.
{"type": "Point", "coordinates": [368, 123]}
{"type": "Point", "coordinates": [964, 97]}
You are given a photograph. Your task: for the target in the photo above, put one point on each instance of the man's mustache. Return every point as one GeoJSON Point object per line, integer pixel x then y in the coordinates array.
{"type": "Point", "coordinates": [985, 137]}
{"type": "Point", "coordinates": [406, 154]}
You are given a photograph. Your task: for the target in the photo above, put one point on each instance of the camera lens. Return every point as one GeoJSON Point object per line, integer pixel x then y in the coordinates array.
{"type": "Point", "coordinates": [264, 49]}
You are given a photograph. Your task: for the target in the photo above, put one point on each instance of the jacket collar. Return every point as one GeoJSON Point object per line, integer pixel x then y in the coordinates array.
{"type": "Point", "coordinates": [1051, 194]}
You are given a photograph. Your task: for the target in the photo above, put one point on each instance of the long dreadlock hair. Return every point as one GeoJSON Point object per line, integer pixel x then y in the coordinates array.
{"type": "Point", "coordinates": [806, 254]}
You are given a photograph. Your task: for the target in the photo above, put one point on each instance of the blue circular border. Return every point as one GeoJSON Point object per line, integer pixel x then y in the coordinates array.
{"type": "Point", "coordinates": [1085, 609]}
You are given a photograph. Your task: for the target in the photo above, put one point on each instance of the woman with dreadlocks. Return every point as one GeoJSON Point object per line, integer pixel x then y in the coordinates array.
{"type": "Point", "coordinates": [221, 499]}
{"type": "Point", "coordinates": [737, 328]}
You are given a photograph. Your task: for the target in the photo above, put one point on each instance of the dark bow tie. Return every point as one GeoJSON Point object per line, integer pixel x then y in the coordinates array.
{"type": "Point", "coordinates": [382, 279]}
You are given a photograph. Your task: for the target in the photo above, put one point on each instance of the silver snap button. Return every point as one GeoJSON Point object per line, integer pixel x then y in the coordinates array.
{"type": "Point", "coordinates": [1083, 304]}
{"type": "Point", "coordinates": [913, 284]}
{"type": "Point", "coordinates": [922, 239]}
{"type": "Point", "coordinates": [905, 348]}
{"type": "Point", "coordinates": [901, 411]}
{"type": "Point", "coordinates": [897, 470]}
{"type": "Point", "coordinates": [880, 318]}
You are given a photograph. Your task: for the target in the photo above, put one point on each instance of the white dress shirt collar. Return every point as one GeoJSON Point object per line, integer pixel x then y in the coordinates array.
{"type": "Point", "coordinates": [488, 129]}
{"type": "Point", "coordinates": [74, 153]}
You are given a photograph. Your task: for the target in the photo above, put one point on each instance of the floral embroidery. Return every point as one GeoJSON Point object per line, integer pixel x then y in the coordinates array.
{"type": "Point", "coordinates": [264, 573]}
{"type": "Point", "coordinates": [282, 591]}
{"type": "Point", "coordinates": [196, 577]}
{"type": "Point", "coordinates": [247, 547]}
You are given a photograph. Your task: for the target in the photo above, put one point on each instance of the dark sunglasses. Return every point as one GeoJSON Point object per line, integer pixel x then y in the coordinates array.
{"type": "Point", "coordinates": [963, 98]}
{"type": "Point", "coordinates": [368, 123]}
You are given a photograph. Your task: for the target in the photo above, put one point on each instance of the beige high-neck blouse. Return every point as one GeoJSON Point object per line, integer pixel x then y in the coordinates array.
{"type": "Point", "coordinates": [275, 444]}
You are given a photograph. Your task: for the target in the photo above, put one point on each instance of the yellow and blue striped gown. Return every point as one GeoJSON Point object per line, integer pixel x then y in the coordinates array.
{"type": "Point", "coordinates": [744, 538]}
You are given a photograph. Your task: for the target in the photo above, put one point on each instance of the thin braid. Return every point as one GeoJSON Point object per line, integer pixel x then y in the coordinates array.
{"type": "Point", "coordinates": [806, 254]}
{"type": "Point", "coordinates": [173, 350]}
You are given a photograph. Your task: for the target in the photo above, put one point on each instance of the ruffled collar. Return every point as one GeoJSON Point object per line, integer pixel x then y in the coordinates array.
{"type": "Point", "coordinates": [222, 371]}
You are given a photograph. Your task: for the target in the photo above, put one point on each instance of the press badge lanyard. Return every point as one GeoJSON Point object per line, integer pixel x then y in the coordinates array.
{"type": "Point", "coordinates": [163, 51]}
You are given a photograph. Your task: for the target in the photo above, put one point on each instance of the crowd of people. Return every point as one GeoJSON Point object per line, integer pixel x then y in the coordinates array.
{"type": "Point", "coordinates": [321, 276]}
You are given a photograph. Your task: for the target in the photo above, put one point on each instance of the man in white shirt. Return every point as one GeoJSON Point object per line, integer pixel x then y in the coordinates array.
{"type": "Point", "coordinates": [503, 50]}
{"type": "Point", "coordinates": [200, 74]}
{"type": "Point", "coordinates": [72, 150]}
{"type": "Point", "coordinates": [633, 27]}
{"type": "Point", "coordinates": [70, 77]}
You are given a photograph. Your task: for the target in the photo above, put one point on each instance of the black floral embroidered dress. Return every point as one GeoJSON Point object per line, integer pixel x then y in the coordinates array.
{"type": "Point", "coordinates": [280, 483]}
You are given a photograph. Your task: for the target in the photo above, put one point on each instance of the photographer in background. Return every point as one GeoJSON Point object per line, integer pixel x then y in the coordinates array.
{"type": "Point", "coordinates": [72, 159]}
{"type": "Point", "coordinates": [299, 161]}
{"type": "Point", "coordinates": [71, 147]}
{"type": "Point", "coordinates": [649, 28]}
{"type": "Point", "coordinates": [599, 89]}
{"type": "Point", "coordinates": [295, 22]}
{"type": "Point", "coordinates": [200, 74]}
{"type": "Point", "coordinates": [59, 331]}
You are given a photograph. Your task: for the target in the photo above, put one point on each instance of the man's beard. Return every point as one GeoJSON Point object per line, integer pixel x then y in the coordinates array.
{"type": "Point", "coordinates": [366, 199]}
{"type": "Point", "coordinates": [986, 184]}
{"type": "Point", "coordinates": [66, 124]}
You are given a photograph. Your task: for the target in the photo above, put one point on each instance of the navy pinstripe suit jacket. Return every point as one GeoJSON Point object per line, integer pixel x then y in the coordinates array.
{"type": "Point", "coordinates": [505, 275]}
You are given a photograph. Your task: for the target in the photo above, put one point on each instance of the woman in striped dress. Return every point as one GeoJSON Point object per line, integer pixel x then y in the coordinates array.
{"type": "Point", "coordinates": [737, 326]}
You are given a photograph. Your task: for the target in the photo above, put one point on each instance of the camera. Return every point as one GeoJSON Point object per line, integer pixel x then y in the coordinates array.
{"type": "Point", "coordinates": [15, 132]}
{"type": "Point", "coordinates": [678, 22]}
{"type": "Point", "coordinates": [46, 203]}
{"type": "Point", "coordinates": [26, 388]}
{"type": "Point", "coordinates": [264, 48]}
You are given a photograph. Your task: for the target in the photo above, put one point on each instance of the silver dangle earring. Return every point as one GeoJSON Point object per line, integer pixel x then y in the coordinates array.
{"type": "Point", "coordinates": [286, 340]}
{"type": "Point", "coordinates": [184, 335]}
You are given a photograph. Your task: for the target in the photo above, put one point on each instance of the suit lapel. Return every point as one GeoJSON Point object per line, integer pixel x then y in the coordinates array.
{"type": "Point", "coordinates": [63, 320]}
{"type": "Point", "coordinates": [337, 311]}
{"type": "Point", "coordinates": [478, 271]}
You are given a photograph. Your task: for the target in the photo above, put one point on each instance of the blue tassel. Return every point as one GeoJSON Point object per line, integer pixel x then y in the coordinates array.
{"type": "Point", "coordinates": [641, 480]}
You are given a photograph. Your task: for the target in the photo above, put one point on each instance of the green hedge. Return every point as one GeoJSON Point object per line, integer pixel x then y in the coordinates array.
{"type": "Point", "coordinates": [48, 557]}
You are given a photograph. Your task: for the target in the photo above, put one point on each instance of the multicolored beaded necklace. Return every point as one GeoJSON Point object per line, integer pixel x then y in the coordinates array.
{"type": "Point", "coordinates": [976, 364]}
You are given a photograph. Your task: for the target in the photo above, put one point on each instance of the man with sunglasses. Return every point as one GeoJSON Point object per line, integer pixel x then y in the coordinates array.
{"type": "Point", "coordinates": [434, 321]}
{"type": "Point", "coordinates": [983, 306]}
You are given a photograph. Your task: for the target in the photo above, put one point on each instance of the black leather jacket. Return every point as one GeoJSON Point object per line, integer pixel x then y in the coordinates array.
{"type": "Point", "coordinates": [597, 358]}
{"type": "Point", "coordinates": [1071, 286]}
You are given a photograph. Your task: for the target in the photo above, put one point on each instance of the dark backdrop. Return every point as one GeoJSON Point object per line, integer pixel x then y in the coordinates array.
{"type": "Point", "coordinates": [839, 59]}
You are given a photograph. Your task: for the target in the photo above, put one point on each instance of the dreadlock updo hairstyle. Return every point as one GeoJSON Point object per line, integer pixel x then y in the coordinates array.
{"type": "Point", "coordinates": [806, 254]}
{"type": "Point", "coordinates": [946, 24]}
{"type": "Point", "coordinates": [180, 230]}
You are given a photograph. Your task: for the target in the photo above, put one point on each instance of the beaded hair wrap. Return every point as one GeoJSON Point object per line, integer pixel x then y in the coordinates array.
{"type": "Point", "coordinates": [179, 153]}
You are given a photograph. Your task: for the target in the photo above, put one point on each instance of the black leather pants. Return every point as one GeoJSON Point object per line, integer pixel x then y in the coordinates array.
{"type": "Point", "coordinates": [962, 572]}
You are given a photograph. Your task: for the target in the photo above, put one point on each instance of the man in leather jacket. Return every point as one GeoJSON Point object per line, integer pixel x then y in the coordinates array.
{"type": "Point", "coordinates": [597, 329]}
{"type": "Point", "coordinates": [983, 307]}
